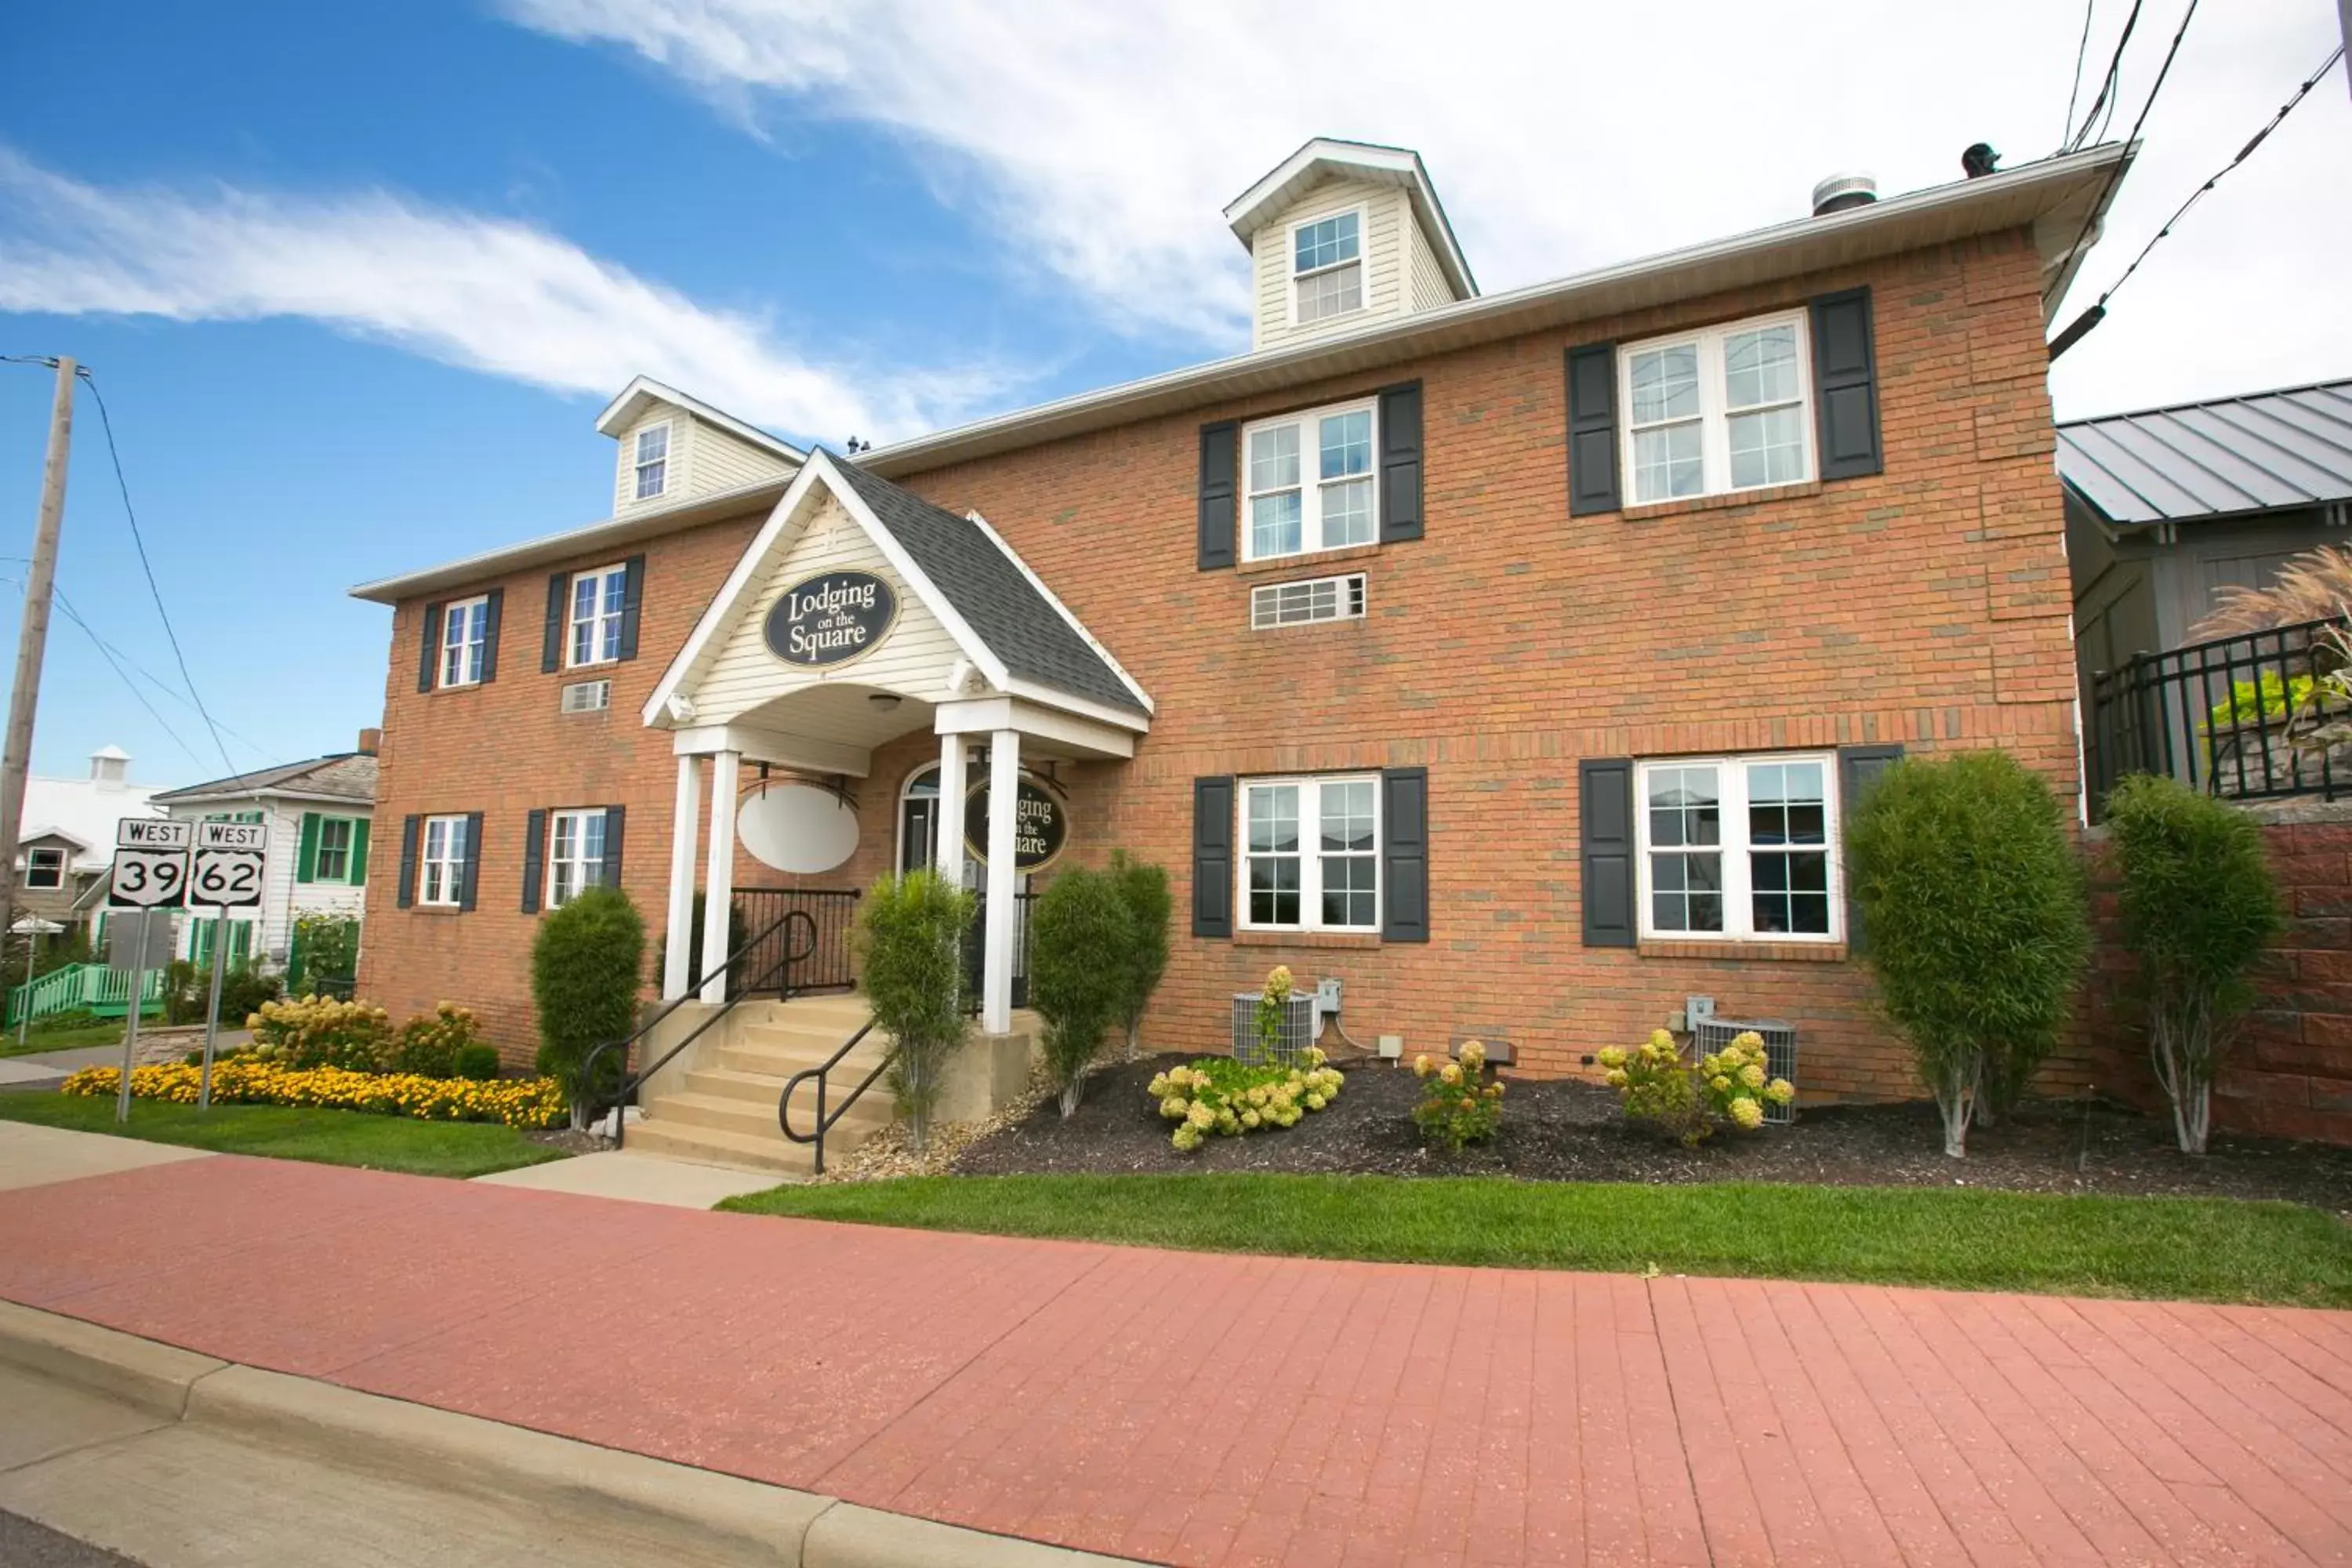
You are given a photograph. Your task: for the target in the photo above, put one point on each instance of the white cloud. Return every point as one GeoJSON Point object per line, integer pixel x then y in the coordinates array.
{"type": "Point", "coordinates": [484, 293]}
{"type": "Point", "coordinates": [1102, 140]}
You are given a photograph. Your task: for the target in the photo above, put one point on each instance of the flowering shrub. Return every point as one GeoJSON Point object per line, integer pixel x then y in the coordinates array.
{"type": "Point", "coordinates": [1460, 1103]}
{"type": "Point", "coordinates": [244, 1079]}
{"type": "Point", "coordinates": [1270, 1008]}
{"type": "Point", "coordinates": [321, 1032]}
{"type": "Point", "coordinates": [429, 1043]}
{"type": "Point", "coordinates": [1220, 1096]}
{"type": "Point", "coordinates": [1686, 1102]}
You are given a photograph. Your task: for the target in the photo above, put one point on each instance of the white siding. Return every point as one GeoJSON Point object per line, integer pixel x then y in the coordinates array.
{"type": "Point", "coordinates": [681, 476]}
{"type": "Point", "coordinates": [283, 898]}
{"type": "Point", "coordinates": [1427, 286]}
{"type": "Point", "coordinates": [1387, 219]}
{"type": "Point", "coordinates": [723, 460]}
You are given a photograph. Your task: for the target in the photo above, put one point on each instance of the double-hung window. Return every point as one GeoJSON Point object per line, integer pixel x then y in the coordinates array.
{"type": "Point", "coordinates": [1739, 848]}
{"type": "Point", "coordinates": [1311, 481]}
{"type": "Point", "coordinates": [1726, 409]}
{"type": "Point", "coordinates": [441, 864]}
{"type": "Point", "coordinates": [598, 600]}
{"type": "Point", "coordinates": [334, 853]}
{"type": "Point", "coordinates": [44, 867]}
{"type": "Point", "coordinates": [653, 460]}
{"type": "Point", "coordinates": [575, 854]}
{"type": "Point", "coordinates": [1311, 858]}
{"type": "Point", "coordinates": [1326, 267]}
{"type": "Point", "coordinates": [465, 631]}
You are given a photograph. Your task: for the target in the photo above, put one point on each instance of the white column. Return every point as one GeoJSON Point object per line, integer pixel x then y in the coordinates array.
{"type": "Point", "coordinates": [685, 833]}
{"type": "Point", "coordinates": [947, 857]}
{"type": "Point", "coordinates": [996, 957]}
{"type": "Point", "coordinates": [718, 874]}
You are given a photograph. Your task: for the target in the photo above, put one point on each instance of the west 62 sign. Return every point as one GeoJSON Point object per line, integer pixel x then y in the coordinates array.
{"type": "Point", "coordinates": [831, 619]}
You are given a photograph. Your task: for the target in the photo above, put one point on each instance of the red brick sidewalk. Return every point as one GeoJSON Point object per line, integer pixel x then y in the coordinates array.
{"type": "Point", "coordinates": [1214, 1409]}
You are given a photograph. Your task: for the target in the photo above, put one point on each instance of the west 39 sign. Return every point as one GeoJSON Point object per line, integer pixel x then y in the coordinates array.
{"type": "Point", "coordinates": [161, 864]}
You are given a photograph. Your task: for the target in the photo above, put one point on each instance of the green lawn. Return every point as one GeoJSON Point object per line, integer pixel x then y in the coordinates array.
{"type": "Point", "coordinates": [2193, 1249]}
{"type": "Point", "coordinates": [329, 1137]}
{"type": "Point", "coordinates": [103, 1031]}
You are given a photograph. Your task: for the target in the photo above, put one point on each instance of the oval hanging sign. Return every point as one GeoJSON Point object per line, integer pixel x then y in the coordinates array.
{"type": "Point", "coordinates": [831, 619]}
{"type": "Point", "coordinates": [1041, 825]}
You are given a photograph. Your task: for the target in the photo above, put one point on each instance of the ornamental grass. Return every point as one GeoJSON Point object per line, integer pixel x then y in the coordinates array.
{"type": "Point", "coordinates": [525, 1103]}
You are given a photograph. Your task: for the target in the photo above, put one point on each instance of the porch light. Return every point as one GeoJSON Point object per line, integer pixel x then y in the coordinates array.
{"type": "Point", "coordinates": [883, 700]}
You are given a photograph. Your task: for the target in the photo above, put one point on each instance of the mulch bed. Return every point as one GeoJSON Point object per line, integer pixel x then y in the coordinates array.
{"type": "Point", "coordinates": [1565, 1130]}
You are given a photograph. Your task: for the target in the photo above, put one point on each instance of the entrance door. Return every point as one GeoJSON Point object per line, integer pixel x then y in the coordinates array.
{"type": "Point", "coordinates": [917, 831]}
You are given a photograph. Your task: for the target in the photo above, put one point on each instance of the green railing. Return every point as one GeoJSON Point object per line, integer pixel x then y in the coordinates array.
{"type": "Point", "coordinates": [84, 987]}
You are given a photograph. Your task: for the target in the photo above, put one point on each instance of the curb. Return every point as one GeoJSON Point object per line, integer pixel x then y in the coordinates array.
{"type": "Point", "coordinates": [701, 1509]}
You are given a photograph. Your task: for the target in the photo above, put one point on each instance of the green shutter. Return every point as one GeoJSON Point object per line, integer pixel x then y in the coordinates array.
{"type": "Point", "coordinates": [359, 852]}
{"type": "Point", "coordinates": [200, 943]}
{"type": "Point", "coordinates": [240, 943]}
{"type": "Point", "coordinates": [306, 860]}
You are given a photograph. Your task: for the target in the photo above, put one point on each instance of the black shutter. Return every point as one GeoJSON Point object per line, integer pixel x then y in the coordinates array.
{"type": "Point", "coordinates": [1845, 385]}
{"type": "Point", "coordinates": [1604, 786]}
{"type": "Point", "coordinates": [1592, 430]}
{"type": "Point", "coordinates": [410, 827]}
{"type": "Point", "coordinates": [615, 818]}
{"type": "Point", "coordinates": [632, 598]}
{"type": "Point", "coordinates": [1219, 463]}
{"type": "Point", "coordinates": [426, 660]}
{"type": "Point", "coordinates": [1404, 854]}
{"type": "Point", "coordinates": [551, 647]}
{"type": "Point", "coordinates": [1859, 767]}
{"type": "Point", "coordinates": [470, 878]}
{"type": "Point", "coordinates": [493, 612]}
{"type": "Point", "coordinates": [534, 859]}
{"type": "Point", "coordinates": [1212, 856]}
{"type": "Point", "coordinates": [1401, 463]}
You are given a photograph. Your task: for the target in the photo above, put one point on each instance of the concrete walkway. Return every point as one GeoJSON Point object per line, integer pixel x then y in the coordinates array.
{"type": "Point", "coordinates": [1212, 1409]}
{"type": "Point", "coordinates": [636, 1178]}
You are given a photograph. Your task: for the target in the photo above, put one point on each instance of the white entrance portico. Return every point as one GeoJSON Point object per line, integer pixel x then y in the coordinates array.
{"type": "Point", "coordinates": [858, 615]}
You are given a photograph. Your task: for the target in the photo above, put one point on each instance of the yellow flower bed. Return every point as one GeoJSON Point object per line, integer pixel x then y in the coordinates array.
{"type": "Point", "coordinates": [526, 1103]}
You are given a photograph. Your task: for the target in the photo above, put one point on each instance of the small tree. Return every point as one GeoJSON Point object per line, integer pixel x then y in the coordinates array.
{"type": "Point", "coordinates": [910, 939]}
{"type": "Point", "coordinates": [1081, 963]}
{"type": "Point", "coordinates": [2197, 906]}
{"type": "Point", "coordinates": [587, 966]}
{"type": "Point", "coordinates": [1143, 887]}
{"type": "Point", "coordinates": [1972, 899]}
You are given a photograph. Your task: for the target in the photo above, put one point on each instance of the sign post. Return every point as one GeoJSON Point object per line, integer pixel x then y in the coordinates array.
{"type": "Point", "coordinates": [151, 873]}
{"type": "Point", "coordinates": [227, 874]}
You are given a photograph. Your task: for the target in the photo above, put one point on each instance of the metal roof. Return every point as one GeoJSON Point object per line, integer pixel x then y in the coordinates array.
{"type": "Point", "coordinates": [2265, 451]}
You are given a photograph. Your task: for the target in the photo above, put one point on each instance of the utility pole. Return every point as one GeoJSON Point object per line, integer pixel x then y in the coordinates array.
{"type": "Point", "coordinates": [32, 639]}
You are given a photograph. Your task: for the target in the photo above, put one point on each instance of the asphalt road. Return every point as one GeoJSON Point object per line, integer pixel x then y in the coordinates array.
{"type": "Point", "coordinates": [25, 1544]}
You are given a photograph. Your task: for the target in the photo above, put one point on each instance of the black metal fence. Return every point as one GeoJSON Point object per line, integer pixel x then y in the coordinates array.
{"type": "Point", "coordinates": [782, 963]}
{"type": "Point", "coordinates": [2233, 717]}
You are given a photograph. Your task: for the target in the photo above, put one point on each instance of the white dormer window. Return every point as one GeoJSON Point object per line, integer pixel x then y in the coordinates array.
{"type": "Point", "coordinates": [653, 460]}
{"type": "Point", "coordinates": [1326, 267]}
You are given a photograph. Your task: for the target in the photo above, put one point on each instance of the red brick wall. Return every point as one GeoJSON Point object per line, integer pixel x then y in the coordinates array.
{"type": "Point", "coordinates": [1926, 606]}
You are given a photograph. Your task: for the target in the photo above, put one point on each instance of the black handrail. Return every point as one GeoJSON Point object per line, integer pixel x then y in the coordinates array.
{"type": "Point", "coordinates": [824, 1123]}
{"type": "Point", "coordinates": [621, 1096]}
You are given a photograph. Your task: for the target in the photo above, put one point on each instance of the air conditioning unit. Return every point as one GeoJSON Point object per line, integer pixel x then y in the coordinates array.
{"type": "Point", "coordinates": [587, 697]}
{"type": "Point", "coordinates": [1780, 1052]}
{"type": "Point", "coordinates": [1302, 1026]}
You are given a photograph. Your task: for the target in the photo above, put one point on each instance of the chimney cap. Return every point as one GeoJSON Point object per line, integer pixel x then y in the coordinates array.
{"type": "Point", "coordinates": [1840, 192]}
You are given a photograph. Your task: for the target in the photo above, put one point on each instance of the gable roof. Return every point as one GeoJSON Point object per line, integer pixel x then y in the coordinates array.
{"type": "Point", "coordinates": [1004, 618]}
{"type": "Point", "coordinates": [2263, 451]}
{"type": "Point", "coordinates": [348, 776]}
{"type": "Point", "coordinates": [1325, 158]}
{"type": "Point", "coordinates": [644, 391]}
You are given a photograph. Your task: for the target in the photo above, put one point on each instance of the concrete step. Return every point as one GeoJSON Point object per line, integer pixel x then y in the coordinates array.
{"type": "Point", "coordinates": [745, 1115]}
{"type": "Point", "coordinates": [781, 1062]}
{"type": "Point", "coordinates": [822, 1035]}
{"type": "Point", "coordinates": [762, 1088]}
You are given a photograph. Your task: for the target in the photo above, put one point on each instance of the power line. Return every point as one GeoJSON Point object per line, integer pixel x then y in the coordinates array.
{"type": "Point", "coordinates": [2116, 173]}
{"type": "Point", "coordinates": [137, 696]}
{"type": "Point", "coordinates": [2107, 83]}
{"type": "Point", "coordinates": [2081, 46]}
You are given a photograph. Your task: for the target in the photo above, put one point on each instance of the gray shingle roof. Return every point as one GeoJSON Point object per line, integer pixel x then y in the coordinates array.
{"type": "Point", "coordinates": [345, 775]}
{"type": "Point", "coordinates": [2263, 452]}
{"type": "Point", "coordinates": [992, 594]}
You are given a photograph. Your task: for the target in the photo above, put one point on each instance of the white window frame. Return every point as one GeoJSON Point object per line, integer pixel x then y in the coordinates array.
{"type": "Point", "coordinates": [598, 619]}
{"type": "Point", "coordinates": [1739, 890]}
{"type": "Point", "coordinates": [1715, 412]}
{"type": "Point", "coordinates": [1360, 261]}
{"type": "Point", "coordinates": [448, 889]}
{"type": "Point", "coordinates": [1309, 601]}
{"type": "Point", "coordinates": [32, 866]}
{"type": "Point", "coordinates": [1310, 853]}
{"type": "Point", "coordinates": [1310, 484]}
{"type": "Point", "coordinates": [350, 845]}
{"type": "Point", "coordinates": [468, 652]}
{"type": "Point", "coordinates": [590, 870]}
{"type": "Point", "coordinates": [640, 463]}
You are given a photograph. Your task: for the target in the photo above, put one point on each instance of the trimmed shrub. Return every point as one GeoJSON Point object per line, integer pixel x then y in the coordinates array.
{"type": "Point", "coordinates": [1219, 1097]}
{"type": "Point", "coordinates": [479, 1063]}
{"type": "Point", "coordinates": [243, 988]}
{"type": "Point", "coordinates": [308, 1032]}
{"type": "Point", "coordinates": [1460, 1103]}
{"type": "Point", "coordinates": [910, 935]}
{"type": "Point", "coordinates": [1972, 909]}
{"type": "Point", "coordinates": [429, 1043]}
{"type": "Point", "coordinates": [2197, 906]}
{"type": "Point", "coordinates": [1143, 887]}
{"type": "Point", "coordinates": [1081, 956]}
{"type": "Point", "coordinates": [587, 966]}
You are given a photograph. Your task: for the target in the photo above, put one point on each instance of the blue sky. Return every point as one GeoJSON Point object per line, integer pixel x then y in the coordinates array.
{"type": "Point", "coordinates": [355, 279]}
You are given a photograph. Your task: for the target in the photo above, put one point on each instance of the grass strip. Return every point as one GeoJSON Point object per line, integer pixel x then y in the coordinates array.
{"type": "Point", "coordinates": [357, 1138]}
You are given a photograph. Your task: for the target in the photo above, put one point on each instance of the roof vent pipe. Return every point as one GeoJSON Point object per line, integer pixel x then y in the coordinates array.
{"type": "Point", "coordinates": [1839, 191]}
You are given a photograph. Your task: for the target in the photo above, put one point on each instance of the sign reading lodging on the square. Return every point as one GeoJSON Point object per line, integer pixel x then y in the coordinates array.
{"type": "Point", "coordinates": [227, 872]}
{"type": "Point", "coordinates": [150, 864]}
{"type": "Point", "coordinates": [831, 619]}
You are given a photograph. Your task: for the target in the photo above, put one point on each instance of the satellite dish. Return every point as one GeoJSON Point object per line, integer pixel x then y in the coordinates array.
{"type": "Point", "coordinates": [797, 828]}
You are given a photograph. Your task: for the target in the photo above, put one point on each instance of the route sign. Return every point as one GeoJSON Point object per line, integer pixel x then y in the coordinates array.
{"type": "Point", "coordinates": [150, 864]}
{"type": "Point", "coordinates": [228, 867]}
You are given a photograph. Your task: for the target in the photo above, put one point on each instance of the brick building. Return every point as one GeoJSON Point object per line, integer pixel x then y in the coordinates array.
{"type": "Point", "coordinates": [1508, 657]}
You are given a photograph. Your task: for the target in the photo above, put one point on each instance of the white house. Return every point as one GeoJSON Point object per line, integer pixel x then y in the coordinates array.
{"type": "Point", "coordinates": [68, 843]}
{"type": "Point", "coordinates": [317, 813]}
